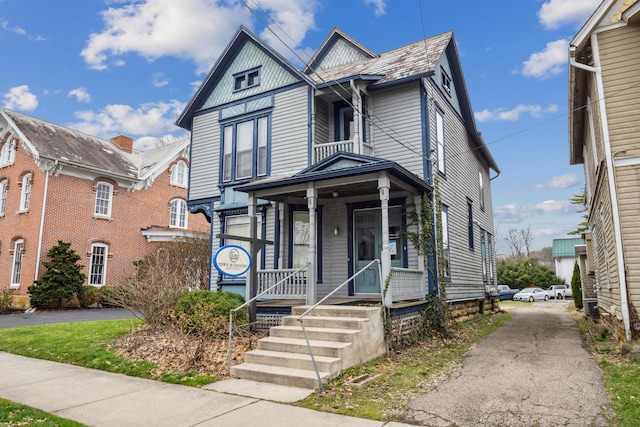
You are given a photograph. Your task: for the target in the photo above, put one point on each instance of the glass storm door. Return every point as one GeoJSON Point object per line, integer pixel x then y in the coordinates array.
{"type": "Point", "coordinates": [368, 246]}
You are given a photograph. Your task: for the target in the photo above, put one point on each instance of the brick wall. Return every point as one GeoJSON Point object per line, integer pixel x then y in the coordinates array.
{"type": "Point", "coordinates": [69, 216]}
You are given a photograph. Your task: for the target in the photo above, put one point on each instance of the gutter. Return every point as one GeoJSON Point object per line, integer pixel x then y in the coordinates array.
{"type": "Point", "coordinates": [42, 215]}
{"type": "Point", "coordinates": [615, 210]}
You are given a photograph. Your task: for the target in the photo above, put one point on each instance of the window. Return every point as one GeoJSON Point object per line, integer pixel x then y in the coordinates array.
{"type": "Point", "coordinates": [8, 152]}
{"type": "Point", "coordinates": [440, 140]}
{"type": "Point", "coordinates": [178, 216]}
{"type": "Point", "coordinates": [484, 254]}
{"type": "Point", "coordinates": [300, 238]}
{"type": "Point", "coordinates": [481, 187]}
{"type": "Point", "coordinates": [245, 149]}
{"type": "Point", "coordinates": [238, 225]}
{"type": "Point", "coordinates": [179, 173]}
{"type": "Point", "coordinates": [25, 196]}
{"type": "Point", "coordinates": [470, 223]}
{"type": "Point", "coordinates": [4, 184]}
{"type": "Point", "coordinates": [445, 81]}
{"type": "Point", "coordinates": [104, 193]}
{"type": "Point", "coordinates": [446, 253]}
{"type": "Point", "coordinates": [98, 268]}
{"type": "Point", "coordinates": [18, 249]}
{"type": "Point", "coordinates": [246, 79]}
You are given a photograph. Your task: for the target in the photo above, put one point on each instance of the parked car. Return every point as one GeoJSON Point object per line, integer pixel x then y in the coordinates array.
{"type": "Point", "coordinates": [533, 293]}
{"type": "Point", "coordinates": [506, 293]}
{"type": "Point", "coordinates": [559, 291]}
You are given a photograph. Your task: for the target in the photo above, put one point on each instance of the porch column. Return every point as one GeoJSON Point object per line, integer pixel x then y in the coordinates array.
{"type": "Point", "coordinates": [252, 276]}
{"type": "Point", "coordinates": [312, 195]}
{"type": "Point", "coordinates": [417, 202]}
{"type": "Point", "coordinates": [385, 257]}
{"type": "Point", "coordinates": [356, 101]}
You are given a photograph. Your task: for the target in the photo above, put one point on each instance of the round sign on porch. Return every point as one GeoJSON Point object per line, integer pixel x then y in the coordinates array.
{"type": "Point", "coordinates": [232, 260]}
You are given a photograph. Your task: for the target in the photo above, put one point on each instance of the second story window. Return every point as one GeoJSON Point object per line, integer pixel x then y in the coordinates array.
{"type": "Point", "coordinates": [104, 194]}
{"type": "Point", "coordinates": [246, 79]}
{"type": "Point", "coordinates": [8, 153]}
{"type": "Point", "coordinates": [470, 223]}
{"type": "Point", "coordinates": [481, 189]}
{"type": "Point", "coordinates": [178, 214]}
{"type": "Point", "coordinates": [440, 149]}
{"type": "Point", "coordinates": [245, 149]}
{"type": "Point", "coordinates": [25, 196]}
{"type": "Point", "coordinates": [445, 81]}
{"type": "Point", "coordinates": [179, 174]}
{"type": "Point", "coordinates": [4, 184]}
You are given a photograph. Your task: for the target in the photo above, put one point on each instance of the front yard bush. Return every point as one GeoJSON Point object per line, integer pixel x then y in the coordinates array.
{"type": "Point", "coordinates": [207, 313]}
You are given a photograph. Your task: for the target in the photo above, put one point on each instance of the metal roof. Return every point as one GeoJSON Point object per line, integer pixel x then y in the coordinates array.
{"type": "Point", "coordinates": [565, 247]}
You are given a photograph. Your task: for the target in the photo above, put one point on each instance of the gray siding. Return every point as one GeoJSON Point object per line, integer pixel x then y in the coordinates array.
{"type": "Point", "coordinates": [290, 132]}
{"type": "Point", "coordinates": [205, 157]}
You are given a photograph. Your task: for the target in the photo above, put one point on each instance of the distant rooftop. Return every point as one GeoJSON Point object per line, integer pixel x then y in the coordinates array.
{"type": "Point", "coordinates": [565, 247]}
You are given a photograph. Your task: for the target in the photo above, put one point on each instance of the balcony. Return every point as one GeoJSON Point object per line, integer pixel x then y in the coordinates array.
{"type": "Point", "coordinates": [322, 151]}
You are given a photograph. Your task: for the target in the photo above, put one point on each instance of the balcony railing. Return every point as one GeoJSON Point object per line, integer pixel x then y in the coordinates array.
{"type": "Point", "coordinates": [293, 287]}
{"type": "Point", "coordinates": [322, 151]}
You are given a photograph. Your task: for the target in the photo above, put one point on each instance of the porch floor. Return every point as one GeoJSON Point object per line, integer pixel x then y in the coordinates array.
{"type": "Point", "coordinates": [288, 303]}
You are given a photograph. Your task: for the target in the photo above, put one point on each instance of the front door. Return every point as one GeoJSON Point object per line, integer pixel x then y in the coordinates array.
{"type": "Point", "coordinates": [367, 224]}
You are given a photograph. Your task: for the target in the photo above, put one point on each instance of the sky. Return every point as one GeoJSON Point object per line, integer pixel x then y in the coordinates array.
{"type": "Point", "coordinates": [110, 67]}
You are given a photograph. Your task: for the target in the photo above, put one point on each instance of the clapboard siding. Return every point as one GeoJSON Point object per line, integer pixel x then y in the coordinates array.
{"type": "Point", "coordinates": [205, 157]}
{"type": "Point", "coordinates": [289, 132]}
{"type": "Point", "coordinates": [322, 130]}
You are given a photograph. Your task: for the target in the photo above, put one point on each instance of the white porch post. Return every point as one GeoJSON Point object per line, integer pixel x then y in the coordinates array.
{"type": "Point", "coordinates": [312, 195]}
{"type": "Point", "coordinates": [356, 101]}
{"type": "Point", "coordinates": [417, 201]}
{"type": "Point", "coordinates": [251, 280]}
{"type": "Point", "coordinates": [384, 185]}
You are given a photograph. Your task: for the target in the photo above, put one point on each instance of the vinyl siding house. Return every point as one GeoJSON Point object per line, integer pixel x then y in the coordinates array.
{"type": "Point", "coordinates": [604, 136]}
{"type": "Point", "coordinates": [331, 158]}
{"type": "Point", "coordinates": [563, 252]}
{"type": "Point", "coordinates": [111, 202]}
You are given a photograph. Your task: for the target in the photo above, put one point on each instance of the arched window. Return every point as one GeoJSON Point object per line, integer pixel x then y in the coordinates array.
{"type": "Point", "coordinates": [4, 184]}
{"type": "Point", "coordinates": [8, 152]}
{"type": "Point", "coordinates": [104, 194]}
{"type": "Point", "coordinates": [179, 173]}
{"type": "Point", "coordinates": [25, 196]}
{"type": "Point", "coordinates": [98, 266]}
{"type": "Point", "coordinates": [16, 269]}
{"type": "Point", "coordinates": [178, 215]}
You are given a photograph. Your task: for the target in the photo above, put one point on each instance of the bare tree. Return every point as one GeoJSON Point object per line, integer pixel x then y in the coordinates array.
{"type": "Point", "coordinates": [520, 241]}
{"type": "Point", "coordinates": [527, 239]}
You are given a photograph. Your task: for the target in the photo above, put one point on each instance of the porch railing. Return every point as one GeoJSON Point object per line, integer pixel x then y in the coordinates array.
{"type": "Point", "coordinates": [292, 284]}
{"type": "Point", "coordinates": [259, 294]}
{"type": "Point", "coordinates": [322, 151]}
{"type": "Point", "coordinates": [407, 284]}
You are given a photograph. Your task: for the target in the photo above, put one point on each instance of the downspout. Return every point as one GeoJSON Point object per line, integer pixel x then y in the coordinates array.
{"type": "Point", "coordinates": [624, 303]}
{"type": "Point", "coordinates": [42, 214]}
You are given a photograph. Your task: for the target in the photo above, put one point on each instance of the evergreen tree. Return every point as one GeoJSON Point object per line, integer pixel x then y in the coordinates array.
{"type": "Point", "coordinates": [576, 292]}
{"type": "Point", "coordinates": [63, 279]}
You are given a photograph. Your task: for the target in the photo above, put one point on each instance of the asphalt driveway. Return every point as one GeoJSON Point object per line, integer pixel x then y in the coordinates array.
{"type": "Point", "coordinates": [533, 371]}
{"type": "Point", "coordinates": [40, 317]}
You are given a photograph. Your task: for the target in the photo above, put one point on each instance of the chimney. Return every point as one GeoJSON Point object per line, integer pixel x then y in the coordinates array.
{"type": "Point", "coordinates": [124, 142]}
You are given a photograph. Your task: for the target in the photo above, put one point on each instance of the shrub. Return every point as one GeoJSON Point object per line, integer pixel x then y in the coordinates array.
{"type": "Point", "coordinates": [6, 300]}
{"type": "Point", "coordinates": [63, 279]}
{"type": "Point", "coordinates": [89, 296]}
{"type": "Point", "coordinates": [207, 313]}
{"type": "Point", "coordinates": [576, 291]}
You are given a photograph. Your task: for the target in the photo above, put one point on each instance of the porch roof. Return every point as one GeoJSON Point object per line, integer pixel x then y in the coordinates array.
{"type": "Point", "coordinates": [343, 173]}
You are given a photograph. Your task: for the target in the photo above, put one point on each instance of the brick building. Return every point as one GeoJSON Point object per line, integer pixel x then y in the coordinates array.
{"type": "Point", "coordinates": [111, 202]}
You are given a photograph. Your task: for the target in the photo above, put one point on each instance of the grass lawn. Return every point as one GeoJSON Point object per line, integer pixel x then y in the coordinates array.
{"type": "Point", "coordinates": [87, 344]}
{"type": "Point", "coordinates": [15, 414]}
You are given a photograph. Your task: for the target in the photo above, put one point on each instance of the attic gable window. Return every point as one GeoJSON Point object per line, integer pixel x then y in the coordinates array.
{"type": "Point", "coordinates": [246, 79]}
{"type": "Point", "coordinates": [8, 153]}
{"type": "Point", "coordinates": [445, 81]}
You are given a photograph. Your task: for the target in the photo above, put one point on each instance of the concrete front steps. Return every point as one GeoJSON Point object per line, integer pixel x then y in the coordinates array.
{"type": "Point", "coordinates": [340, 337]}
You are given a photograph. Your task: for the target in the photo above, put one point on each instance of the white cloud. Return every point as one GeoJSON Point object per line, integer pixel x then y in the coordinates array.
{"type": "Point", "coordinates": [514, 213]}
{"type": "Point", "coordinates": [379, 6]}
{"type": "Point", "coordinates": [555, 13]}
{"type": "Point", "coordinates": [160, 80]}
{"type": "Point", "coordinates": [4, 24]}
{"type": "Point", "coordinates": [563, 181]}
{"type": "Point", "coordinates": [19, 98]}
{"type": "Point", "coordinates": [147, 119]}
{"type": "Point", "coordinates": [549, 206]}
{"type": "Point", "coordinates": [550, 62]}
{"type": "Point", "coordinates": [197, 30]}
{"type": "Point", "coordinates": [80, 94]}
{"type": "Point", "coordinates": [500, 114]}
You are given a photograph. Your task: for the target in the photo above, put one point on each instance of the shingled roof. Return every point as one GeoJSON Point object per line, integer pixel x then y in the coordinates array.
{"type": "Point", "coordinates": [49, 141]}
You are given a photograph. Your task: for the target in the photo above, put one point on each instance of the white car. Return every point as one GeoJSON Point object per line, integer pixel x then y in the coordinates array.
{"type": "Point", "coordinates": [531, 294]}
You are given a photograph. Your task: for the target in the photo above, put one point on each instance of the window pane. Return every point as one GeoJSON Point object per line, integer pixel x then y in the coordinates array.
{"type": "Point", "coordinates": [440, 141]}
{"type": "Point", "coordinates": [3, 196]}
{"type": "Point", "coordinates": [300, 239]}
{"type": "Point", "coordinates": [237, 226]}
{"type": "Point", "coordinates": [98, 264]}
{"type": "Point", "coordinates": [17, 262]}
{"type": "Point", "coordinates": [254, 79]}
{"type": "Point", "coordinates": [228, 150]}
{"type": "Point", "coordinates": [103, 199]}
{"type": "Point", "coordinates": [26, 193]}
{"type": "Point", "coordinates": [241, 82]}
{"type": "Point", "coordinates": [244, 150]}
{"type": "Point", "coordinates": [178, 215]}
{"type": "Point", "coordinates": [262, 145]}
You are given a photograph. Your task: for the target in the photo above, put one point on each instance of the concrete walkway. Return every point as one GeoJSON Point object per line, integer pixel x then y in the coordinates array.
{"type": "Point", "coordinates": [98, 398]}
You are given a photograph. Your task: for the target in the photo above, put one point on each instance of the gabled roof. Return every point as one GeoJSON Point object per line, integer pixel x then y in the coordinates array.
{"type": "Point", "coordinates": [412, 61]}
{"type": "Point", "coordinates": [336, 35]}
{"type": "Point", "coordinates": [54, 143]}
{"type": "Point", "coordinates": [241, 36]}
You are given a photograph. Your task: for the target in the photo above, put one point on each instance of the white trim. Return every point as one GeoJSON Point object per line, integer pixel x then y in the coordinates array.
{"type": "Point", "coordinates": [626, 161]}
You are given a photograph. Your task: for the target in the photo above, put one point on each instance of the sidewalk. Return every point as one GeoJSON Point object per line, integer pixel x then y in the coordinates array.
{"type": "Point", "coordinates": [100, 398]}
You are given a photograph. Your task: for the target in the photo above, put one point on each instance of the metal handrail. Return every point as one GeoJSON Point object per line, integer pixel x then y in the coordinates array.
{"type": "Point", "coordinates": [313, 307]}
{"type": "Point", "coordinates": [249, 302]}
